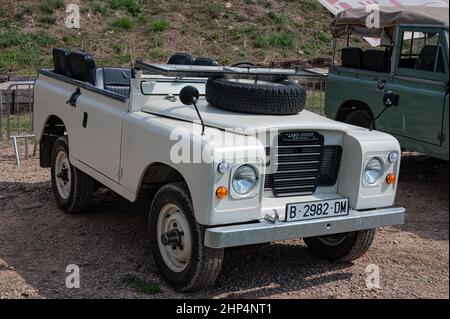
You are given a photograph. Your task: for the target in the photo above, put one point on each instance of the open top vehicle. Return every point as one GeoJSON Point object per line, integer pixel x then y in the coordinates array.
{"type": "Point", "coordinates": [411, 72]}
{"type": "Point", "coordinates": [267, 169]}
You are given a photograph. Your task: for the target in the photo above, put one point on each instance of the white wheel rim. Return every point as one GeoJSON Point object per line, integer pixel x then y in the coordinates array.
{"type": "Point", "coordinates": [63, 175]}
{"type": "Point", "coordinates": [175, 257]}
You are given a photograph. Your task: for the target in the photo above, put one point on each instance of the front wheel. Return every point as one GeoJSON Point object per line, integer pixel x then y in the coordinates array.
{"type": "Point", "coordinates": [341, 247]}
{"type": "Point", "coordinates": [176, 241]}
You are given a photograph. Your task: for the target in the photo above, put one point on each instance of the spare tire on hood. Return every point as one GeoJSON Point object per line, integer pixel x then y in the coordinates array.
{"type": "Point", "coordinates": [262, 97]}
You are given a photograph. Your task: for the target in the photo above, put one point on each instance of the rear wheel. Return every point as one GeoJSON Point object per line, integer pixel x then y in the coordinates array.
{"type": "Point", "coordinates": [72, 188]}
{"type": "Point", "coordinates": [362, 118]}
{"type": "Point", "coordinates": [341, 247]}
{"type": "Point", "coordinates": [176, 240]}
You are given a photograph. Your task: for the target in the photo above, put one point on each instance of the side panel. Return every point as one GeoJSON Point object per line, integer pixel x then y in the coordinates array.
{"type": "Point", "coordinates": [345, 85]}
{"type": "Point", "coordinates": [99, 132]}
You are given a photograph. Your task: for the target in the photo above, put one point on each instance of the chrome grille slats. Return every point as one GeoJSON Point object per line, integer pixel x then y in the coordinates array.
{"type": "Point", "coordinates": [302, 164]}
{"type": "Point", "coordinates": [297, 163]}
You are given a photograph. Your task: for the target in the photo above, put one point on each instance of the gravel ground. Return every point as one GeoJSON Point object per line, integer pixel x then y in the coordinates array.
{"type": "Point", "coordinates": [38, 241]}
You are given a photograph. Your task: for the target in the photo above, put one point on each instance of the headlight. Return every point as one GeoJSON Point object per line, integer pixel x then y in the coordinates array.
{"type": "Point", "coordinates": [373, 170]}
{"type": "Point", "coordinates": [244, 179]}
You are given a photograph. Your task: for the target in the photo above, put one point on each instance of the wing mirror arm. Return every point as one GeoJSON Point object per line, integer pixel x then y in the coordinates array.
{"type": "Point", "coordinates": [389, 99]}
{"type": "Point", "coordinates": [189, 96]}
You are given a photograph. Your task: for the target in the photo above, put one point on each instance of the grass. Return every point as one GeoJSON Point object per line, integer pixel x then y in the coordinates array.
{"type": "Point", "coordinates": [159, 25]}
{"type": "Point", "coordinates": [48, 6]}
{"type": "Point", "coordinates": [156, 41]}
{"type": "Point", "coordinates": [281, 21]}
{"type": "Point", "coordinates": [282, 40]}
{"type": "Point", "coordinates": [20, 51]}
{"type": "Point", "coordinates": [100, 7]}
{"type": "Point", "coordinates": [25, 123]}
{"type": "Point", "coordinates": [215, 9]}
{"type": "Point", "coordinates": [132, 6]}
{"type": "Point", "coordinates": [122, 23]}
{"type": "Point", "coordinates": [47, 19]}
{"type": "Point", "coordinates": [141, 285]}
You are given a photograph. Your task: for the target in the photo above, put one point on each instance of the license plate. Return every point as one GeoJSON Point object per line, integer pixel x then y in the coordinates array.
{"type": "Point", "coordinates": [317, 209]}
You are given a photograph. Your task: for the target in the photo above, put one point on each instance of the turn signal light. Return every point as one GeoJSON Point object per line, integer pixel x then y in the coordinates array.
{"type": "Point", "coordinates": [221, 192]}
{"type": "Point", "coordinates": [390, 178]}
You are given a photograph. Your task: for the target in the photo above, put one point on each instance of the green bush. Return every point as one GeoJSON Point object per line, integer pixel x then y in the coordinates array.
{"type": "Point", "coordinates": [48, 6]}
{"type": "Point", "coordinates": [281, 40]}
{"type": "Point", "coordinates": [123, 23]}
{"type": "Point", "coordinates": [159, 25]}
{"type": "Point", "coordinates": [99, 7]}
{"type": "Point", "coordinates": [132, 6]}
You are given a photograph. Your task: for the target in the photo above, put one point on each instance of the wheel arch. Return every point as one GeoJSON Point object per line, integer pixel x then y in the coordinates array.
{"type": "Point", "coordinates": [54, 128]}
{"type": "Point", "coordinates": [350, 106]}
{"type": "Point", "coordinates": [157, 174]}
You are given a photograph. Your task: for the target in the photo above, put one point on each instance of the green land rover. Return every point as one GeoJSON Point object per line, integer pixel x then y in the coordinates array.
{"type": "Point", "coordinates": [410, 72]}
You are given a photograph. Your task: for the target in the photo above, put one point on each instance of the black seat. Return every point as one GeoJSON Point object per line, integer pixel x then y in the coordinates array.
{"type": "Point", "coordinates": [427, 59]}
{"type": "Point", "coordinates": [82, 66]}
{"type": "Point", "coordinates": [116, 80]}
{"type": "Point", "coordinates": [375, 60]}
{"type": "Point", "coordinates": [205, 61]}
{"type": "Point", "coordinates": [181, 58]}
{"type": "Point", "coordinates": [61, 61]}
{"type": "Point", "coordinates": [352, 57]}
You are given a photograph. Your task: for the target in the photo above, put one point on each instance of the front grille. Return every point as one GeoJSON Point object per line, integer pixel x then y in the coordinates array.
{"type": "Point", "coordinates": [302, 163]}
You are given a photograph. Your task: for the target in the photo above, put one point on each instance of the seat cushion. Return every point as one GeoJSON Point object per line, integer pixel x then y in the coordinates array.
{"type": "Point", "coordinates": [117, 80]}
{"type": "Point", "coordinates": [352, 57]}
{"type": "Point", "coordinates": [205, 61]}
{"type": "Point", "coordinates": [181, 58]}
{"type": "Point", "coordinates": [61, 61]}
{"type": "Point", "coordinates": [375, 60]}
{"type": "Point", "coordinates": [82, 67]}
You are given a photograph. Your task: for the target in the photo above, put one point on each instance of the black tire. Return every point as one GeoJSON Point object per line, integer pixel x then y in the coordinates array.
{"type": "Point", "coordinates": [81, 184]}
{"type": "Point", "coordinates": [362, 118]}
{"type": "Point", "coordinates": [352, 246]}
{"type": "Point", "coordinates": [204, 264]}
{"type": "Point", "coordinates": [281, 98]}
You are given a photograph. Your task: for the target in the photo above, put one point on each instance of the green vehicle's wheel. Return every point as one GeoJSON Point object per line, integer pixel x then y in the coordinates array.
{"type": "Point", "coordinates": [361, 118]}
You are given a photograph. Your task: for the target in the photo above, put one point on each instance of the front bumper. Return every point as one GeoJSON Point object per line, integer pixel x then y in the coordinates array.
{"type": "Point", "coordinates": [262, 232]}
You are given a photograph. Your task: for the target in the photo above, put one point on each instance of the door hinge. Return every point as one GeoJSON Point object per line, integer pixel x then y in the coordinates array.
{"type": "Point", "coordinates": [441, 137]}
{"type": "Point", "coordinates": [120, 172]}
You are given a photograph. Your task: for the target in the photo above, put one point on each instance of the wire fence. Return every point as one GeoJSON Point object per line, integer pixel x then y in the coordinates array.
{"type": "Point", "coordinates": [16, 115]}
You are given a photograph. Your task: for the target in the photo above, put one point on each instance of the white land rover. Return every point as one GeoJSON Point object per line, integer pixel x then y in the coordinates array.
{"type": "Point", "coordinates": [229, 151]}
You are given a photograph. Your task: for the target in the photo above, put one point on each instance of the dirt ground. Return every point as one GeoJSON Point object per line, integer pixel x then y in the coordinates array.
{"type": "Point", "coordinates": [108, 243]}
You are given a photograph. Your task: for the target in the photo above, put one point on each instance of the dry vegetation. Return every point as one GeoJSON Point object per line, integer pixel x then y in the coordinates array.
{"type": "Point", "coordinates": [117, 31]}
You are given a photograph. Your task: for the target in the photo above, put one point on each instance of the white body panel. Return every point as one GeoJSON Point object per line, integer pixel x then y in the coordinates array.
{"type": "Point", "coordinates": [125, 137]}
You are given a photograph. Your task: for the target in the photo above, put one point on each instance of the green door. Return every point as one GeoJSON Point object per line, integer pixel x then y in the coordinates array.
{"type": "Point", "coordinates": [421, 82]}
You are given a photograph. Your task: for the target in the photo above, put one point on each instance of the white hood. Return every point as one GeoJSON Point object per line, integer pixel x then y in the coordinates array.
{"type": "Point", "coordinates": [221, 119]}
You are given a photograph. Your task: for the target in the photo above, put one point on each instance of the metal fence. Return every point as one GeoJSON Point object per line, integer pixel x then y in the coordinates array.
{"type": "Point", "coordinates": [315, 93]}
{"type": "Point", "coordinates": [16, 115]}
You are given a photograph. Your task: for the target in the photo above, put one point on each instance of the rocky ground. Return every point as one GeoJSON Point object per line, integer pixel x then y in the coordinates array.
{"type": "Point", "coordinates": [38, 241]}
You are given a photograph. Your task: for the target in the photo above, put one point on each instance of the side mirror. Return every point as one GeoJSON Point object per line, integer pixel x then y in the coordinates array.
{"type": "Point", "coordinates": [390, 99]}
{"type": "Point", "coordinates": [189, 95]}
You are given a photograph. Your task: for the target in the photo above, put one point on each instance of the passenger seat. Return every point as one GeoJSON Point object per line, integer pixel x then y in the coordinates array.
{"type": "Point", "coordinates": [352, 57]}
{"type": "Point", "coordinates": [115, 80]}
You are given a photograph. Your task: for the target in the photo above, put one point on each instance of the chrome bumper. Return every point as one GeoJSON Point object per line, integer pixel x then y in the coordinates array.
{"type": "Point", "coordinates": [262, 232]}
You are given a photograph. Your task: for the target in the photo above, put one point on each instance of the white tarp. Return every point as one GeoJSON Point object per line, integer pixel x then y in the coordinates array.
{"type": "Point", "coordinates": [336, 6]}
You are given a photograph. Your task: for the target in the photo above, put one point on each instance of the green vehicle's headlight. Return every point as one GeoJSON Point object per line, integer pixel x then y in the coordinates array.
{"type": "Point", "coordinates": [244, 179]}
{"type": "Point", "coordinates": [373, 170]}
